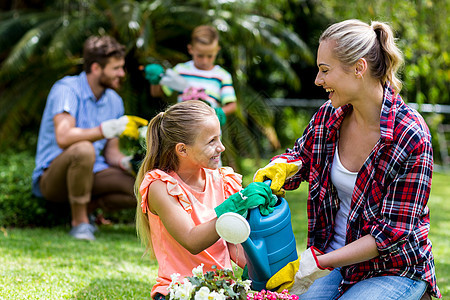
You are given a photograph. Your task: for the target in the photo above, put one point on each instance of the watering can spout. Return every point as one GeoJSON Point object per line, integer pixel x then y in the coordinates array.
{"type": "Point", "coordinates": [259, 263]}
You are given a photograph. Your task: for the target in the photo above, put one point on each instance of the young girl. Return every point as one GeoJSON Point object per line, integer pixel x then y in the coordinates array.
{"type": "Point", "coordinates": [181, 192]}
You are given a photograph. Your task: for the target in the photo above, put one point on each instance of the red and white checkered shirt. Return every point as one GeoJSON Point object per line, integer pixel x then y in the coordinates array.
{"type": "Point", "coordinates": [390, 197]}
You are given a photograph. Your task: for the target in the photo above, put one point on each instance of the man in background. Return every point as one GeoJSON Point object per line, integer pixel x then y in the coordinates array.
{"type": "Point", "coordinates": [78, 158]}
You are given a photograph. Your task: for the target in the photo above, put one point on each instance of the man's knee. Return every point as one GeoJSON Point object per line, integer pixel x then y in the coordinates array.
{"type": "Point", "coordinates": [82, 152]}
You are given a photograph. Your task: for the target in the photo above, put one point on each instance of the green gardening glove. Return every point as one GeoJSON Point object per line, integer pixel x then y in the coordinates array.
{"type": "Point", "coordinates": [221, 116]}
{"type": "Point", "coordinates": [254, 195]}
{"type": "Point", "coordinates": [153, 73]}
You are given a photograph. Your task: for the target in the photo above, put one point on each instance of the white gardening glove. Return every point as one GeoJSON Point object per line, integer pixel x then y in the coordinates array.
{"type": "Point", "coordinates": [174, 81]}
{"type": "Point", "coordinates": [309, 270]}
{"type": "Point", "coordinates": [123, 126]}
{"type": "Point", "coordinates": [125, 164]}
{"type": "Point", "coordinates": [143, 133]}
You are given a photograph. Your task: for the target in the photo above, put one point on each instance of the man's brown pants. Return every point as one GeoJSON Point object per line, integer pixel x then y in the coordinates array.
{"type": "Point", "coordinates": [70, 178]}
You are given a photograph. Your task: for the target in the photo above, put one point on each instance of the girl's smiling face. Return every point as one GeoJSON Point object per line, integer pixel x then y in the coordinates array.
{"type": "Point", "coordinates": [205, 150]}
{"type": "Point", "coordinates": [337, 80]}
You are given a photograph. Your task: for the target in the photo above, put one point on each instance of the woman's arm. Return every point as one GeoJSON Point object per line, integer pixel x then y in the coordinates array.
{"type": "Point", "coordinates": [401, 222]}
{"type": "Point", "coordinates": [358, 251]}
{"type": "Point", "coordinates": [195, 238]}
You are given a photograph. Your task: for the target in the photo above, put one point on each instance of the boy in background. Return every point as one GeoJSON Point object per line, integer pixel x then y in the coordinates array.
{"type": "Point", "coordinates": [200, 73]}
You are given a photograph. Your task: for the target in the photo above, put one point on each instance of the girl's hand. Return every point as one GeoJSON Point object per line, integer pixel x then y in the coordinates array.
{"type": "Point", "coordinates": [256, 194]}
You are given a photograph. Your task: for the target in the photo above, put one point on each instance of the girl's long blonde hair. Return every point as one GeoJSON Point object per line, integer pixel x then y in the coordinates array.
{"type": "Point", "coordinates": [180, 123]}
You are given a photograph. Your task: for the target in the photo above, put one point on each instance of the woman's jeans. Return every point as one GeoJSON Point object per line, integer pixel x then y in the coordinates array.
{"type": "Point", "coordinates": [383, 287]}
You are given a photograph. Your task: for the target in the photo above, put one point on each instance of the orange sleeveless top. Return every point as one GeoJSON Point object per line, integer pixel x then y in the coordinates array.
{"type": "Point", "coordinates": [171, 256]}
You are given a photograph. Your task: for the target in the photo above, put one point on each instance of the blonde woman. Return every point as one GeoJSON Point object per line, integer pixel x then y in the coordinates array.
{"type": "Point", "coordinates": [368, 159]}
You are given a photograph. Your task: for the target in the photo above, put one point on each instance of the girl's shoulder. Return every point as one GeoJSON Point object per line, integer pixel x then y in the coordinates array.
{"type": "Point", "coordinates": [229, 174]}
{"type": "Point", "coordinates": [161, 179]}
{"type": "Point", "coordinates": [158, 174]}
{"type": "Point", "coordinates": [232, 180]}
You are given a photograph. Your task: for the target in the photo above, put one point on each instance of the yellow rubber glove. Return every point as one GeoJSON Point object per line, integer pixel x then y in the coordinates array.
{"type": "Point", "coordinates": [284, 279]}
{"type": "Point", "coordinates": [131, 129]}
{"type": "Point", "coordinates": [298, 275]}
{"type": "Point", "coordinates": [278, 173]}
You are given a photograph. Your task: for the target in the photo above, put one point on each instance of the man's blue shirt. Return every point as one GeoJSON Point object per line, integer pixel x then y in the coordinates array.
{"type": "Point", "coordinates": [72, 94]}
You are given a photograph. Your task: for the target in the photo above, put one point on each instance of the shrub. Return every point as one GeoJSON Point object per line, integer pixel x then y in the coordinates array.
{"type": "Point", "coordinates": [18, 207]}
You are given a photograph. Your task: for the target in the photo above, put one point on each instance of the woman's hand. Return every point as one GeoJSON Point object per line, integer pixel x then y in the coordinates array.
{"type": "Point", "coordinates": [277, 173]}
{"type": "Point", "coordinates": [299, 275]}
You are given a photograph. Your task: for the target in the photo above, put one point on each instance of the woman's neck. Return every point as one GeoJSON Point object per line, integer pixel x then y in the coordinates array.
{"type": "Point", "coordinates": [367, 111]}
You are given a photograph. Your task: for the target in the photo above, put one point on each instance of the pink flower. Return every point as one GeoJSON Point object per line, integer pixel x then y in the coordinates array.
{"type": "Point", "coordinates": [269, 295]}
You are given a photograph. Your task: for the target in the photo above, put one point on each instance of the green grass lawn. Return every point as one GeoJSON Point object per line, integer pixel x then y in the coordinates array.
{"type": "Point", "coordinates": [440, 230]}
{"type": "Point", "coordinates": [48, 264]}
{"type": "Point", "coordinates": [43, 263]}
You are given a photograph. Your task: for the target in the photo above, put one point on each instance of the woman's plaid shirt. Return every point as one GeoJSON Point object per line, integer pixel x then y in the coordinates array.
{"type": "Point", "coordinates": [390, 196]}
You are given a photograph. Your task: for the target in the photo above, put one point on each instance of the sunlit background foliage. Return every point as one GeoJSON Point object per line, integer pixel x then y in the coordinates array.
{"type": "Point", "coordinates": [268, 46]}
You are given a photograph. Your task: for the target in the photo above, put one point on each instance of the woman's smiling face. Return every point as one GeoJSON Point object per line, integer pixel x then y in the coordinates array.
{"type": "Point", "coordinates": [206, 148]}
{"type": "Point", "coordinates": [337, 80]}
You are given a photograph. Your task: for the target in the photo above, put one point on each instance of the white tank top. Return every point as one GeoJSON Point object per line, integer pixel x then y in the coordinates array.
{"type": "Point", "coordinates": [344, 181]}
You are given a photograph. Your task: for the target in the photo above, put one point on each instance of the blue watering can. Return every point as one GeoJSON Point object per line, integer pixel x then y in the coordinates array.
{"type": "Point", "coordinates": [270, 244]}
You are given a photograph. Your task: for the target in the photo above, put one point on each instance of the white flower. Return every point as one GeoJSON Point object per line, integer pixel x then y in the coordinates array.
{"type": "Point", "coordinates": [202, 294]}
{"type": "Point", "coordinates": [173, 291]}
{"type": "Point", "coordinates": [175, 277]}
{"type": "Point", "coordinates": [217, 296]}
{"type": "Point", "coordinates": [183, 291]}
{"type": "Point", "coordinates": [174, 282]}
{"type": "Point", "coordinates": [198, 271]}
{"type": "Point", "coordinates": [246, 283]}
{"type": "Point", "coordinates": [186, 290]}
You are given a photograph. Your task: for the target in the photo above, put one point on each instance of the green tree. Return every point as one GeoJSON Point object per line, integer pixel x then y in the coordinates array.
{"type": "Point", "coordinates": [39, 47]}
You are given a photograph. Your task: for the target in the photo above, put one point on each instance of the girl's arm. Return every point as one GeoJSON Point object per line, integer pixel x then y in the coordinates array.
{"type": "Point", "coordinates": [195, 238]}
{"type": "Point", "coordinates": [237, 254]}
{"type": "Point", "coordinates": [358, 251]}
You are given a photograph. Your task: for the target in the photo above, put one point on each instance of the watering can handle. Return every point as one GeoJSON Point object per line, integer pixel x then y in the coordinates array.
{"type": "Point", "coordinates": [256, 250]}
